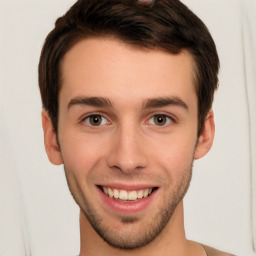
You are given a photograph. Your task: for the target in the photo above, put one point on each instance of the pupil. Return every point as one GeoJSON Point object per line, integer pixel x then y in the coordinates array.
{"type": "Point", "coordinates": [160, 120]}
{"type": "Point", "coordinates": [95, 120]}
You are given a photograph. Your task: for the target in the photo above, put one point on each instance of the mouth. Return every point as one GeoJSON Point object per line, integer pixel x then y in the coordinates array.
{"type": "Point", "coordinates": [126, 199]}
{"type": "Point", "coordinates": [127, 195]}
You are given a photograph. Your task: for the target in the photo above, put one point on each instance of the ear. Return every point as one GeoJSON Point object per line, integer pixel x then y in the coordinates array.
{"type": "Point", "coordinates": [206, 137]}
{"type": "Point", "coordinates": [50, 140]}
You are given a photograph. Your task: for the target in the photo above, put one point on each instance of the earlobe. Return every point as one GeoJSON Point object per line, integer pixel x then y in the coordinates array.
{"type": "Point", "coordinates": [50, 140]}
{"type": "Point", "coordinates": [206, 137]}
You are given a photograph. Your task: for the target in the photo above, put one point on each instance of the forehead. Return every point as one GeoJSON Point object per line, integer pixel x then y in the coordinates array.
{"type": "Point", "coordinates": [107, 67]}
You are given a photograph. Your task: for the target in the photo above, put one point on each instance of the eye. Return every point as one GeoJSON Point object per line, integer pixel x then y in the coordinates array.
{"type": "Point", "coordinates": [160, 120]}
{"type": "Point", "coordinates": [95, 120]}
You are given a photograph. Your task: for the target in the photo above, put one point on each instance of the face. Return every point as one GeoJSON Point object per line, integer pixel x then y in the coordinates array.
{"type": "Point", "coordinates": [127, 136]}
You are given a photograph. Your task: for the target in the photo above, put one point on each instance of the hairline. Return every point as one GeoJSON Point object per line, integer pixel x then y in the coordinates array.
{"type": "Point", "coordinates": [137, 46]}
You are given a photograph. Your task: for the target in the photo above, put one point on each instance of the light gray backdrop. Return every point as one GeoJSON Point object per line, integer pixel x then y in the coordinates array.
{"type": "Point", "coordinates": [37, 214]}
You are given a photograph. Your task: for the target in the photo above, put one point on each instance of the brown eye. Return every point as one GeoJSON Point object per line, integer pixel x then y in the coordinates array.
{"type": "Point", "coordinates": [95, 120]}
{"type": "Point", "coordinates": [160, 120]}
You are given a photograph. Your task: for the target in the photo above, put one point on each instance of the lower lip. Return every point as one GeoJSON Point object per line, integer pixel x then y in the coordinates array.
{"type": "Point", "coordinates": [127, 207]}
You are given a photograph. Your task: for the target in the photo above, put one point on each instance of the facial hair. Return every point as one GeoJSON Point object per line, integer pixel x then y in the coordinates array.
{"type": "Point", "coordinates": [143, 235]}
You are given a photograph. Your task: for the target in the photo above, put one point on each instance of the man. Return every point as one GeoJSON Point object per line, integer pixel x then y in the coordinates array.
{"type": "Point", "coordinates": [127, 89]}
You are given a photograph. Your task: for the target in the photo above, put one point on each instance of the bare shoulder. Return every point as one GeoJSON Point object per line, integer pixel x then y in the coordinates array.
{"type": "Point", "coordinates": [214, 252]}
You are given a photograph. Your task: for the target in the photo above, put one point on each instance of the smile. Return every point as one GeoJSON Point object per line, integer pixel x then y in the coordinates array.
{"type": "Point", "coordinates": [125, 195]}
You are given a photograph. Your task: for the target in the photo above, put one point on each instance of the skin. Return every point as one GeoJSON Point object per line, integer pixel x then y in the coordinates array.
{"type": "Point", "coordinates": [129, 145]}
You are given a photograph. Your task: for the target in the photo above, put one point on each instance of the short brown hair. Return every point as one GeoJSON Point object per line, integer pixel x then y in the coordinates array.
{"type": "Point", "coordinates": [166, 25]}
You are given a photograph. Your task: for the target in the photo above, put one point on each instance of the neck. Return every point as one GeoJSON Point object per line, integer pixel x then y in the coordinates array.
{"type": "Point", "coordinates": [172, 239]}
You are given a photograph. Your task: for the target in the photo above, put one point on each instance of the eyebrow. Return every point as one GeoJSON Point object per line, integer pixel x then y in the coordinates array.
{"type": "Point", "coordinates": [90, 101]}
{"type": "Point", "coordinates": [150, 103]}
{"type": "Point", "coordinates": [165, 101]}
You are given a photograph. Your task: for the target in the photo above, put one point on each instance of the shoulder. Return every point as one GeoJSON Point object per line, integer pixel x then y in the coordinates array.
{"type": "Point", "coordinates": [214, 252]}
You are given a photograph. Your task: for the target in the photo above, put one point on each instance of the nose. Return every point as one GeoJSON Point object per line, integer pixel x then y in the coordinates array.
{"type": "Point", "coordinates": [128, 150]}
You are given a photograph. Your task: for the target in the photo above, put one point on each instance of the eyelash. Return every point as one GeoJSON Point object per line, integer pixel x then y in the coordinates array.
{"type": "Point", "coordinates": [168, 119]}
{"type": "Point", "coordinates": [87, 120]}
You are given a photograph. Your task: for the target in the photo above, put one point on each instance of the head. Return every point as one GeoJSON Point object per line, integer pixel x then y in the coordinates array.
{"type": "Point", "coordinates": [166, 25]}
{"type": "Point", "coordinates": [127, 89]}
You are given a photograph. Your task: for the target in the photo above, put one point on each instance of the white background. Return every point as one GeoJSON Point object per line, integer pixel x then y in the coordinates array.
{"type": "Point", "coordinates": [37, 214]}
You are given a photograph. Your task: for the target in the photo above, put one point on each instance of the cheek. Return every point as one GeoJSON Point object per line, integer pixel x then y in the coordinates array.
{"type": "Point", "coordinates": [80, 153]}
{"type": "Point", "coordinates": [176, 155]}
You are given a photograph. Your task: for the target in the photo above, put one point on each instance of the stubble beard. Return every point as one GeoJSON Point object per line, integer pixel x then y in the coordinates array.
{"type": "Point", "coordinates": [145, 234]}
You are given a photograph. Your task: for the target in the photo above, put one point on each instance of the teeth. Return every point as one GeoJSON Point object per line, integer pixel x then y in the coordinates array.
{"type": "Point", "coordinates": [132, 196]}
{"type": "Point", "coordinates": [116, 194]}
{"type": "Point", "coordinates": [125, 195]}
{"type": "Point", "coordinates": [140, 194]}
{"type": "Point", "coordinates": [145, 193]}
{"type": "Point", "coordinates": [110, 193]}
{"type": "Point", "coordinates": [105, 190]}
